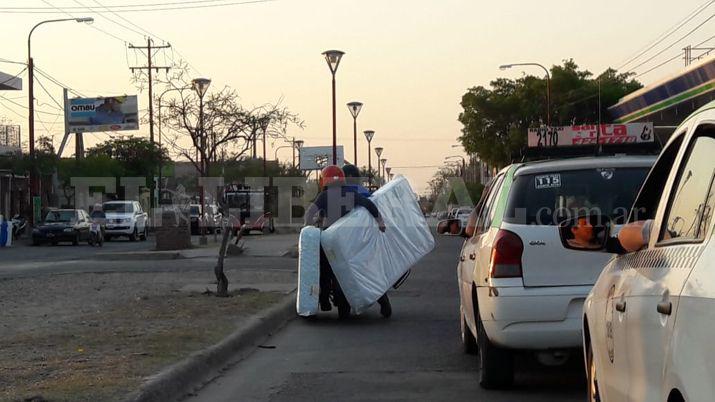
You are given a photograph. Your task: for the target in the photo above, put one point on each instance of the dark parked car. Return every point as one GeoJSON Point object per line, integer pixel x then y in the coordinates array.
{"type": "Point", "coordinates": [62, 225]}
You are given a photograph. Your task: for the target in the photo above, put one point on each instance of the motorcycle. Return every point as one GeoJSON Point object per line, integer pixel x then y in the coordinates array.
{"type": "Point", "coordinates": [19, 224]}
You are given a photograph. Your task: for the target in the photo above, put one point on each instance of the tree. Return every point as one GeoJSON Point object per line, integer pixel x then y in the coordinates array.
{"type": "Point", "coordinates": [229, 129]}
{"type": "Point", "coordinates": [138, 156]}
{"type": "Point", "coordinates": [496, 120]}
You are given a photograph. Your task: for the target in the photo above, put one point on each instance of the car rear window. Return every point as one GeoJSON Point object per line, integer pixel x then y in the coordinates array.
{"type": "Point", "coordinates": [118, 207]}
{"type": "Point", "coordinates": [549, 198]}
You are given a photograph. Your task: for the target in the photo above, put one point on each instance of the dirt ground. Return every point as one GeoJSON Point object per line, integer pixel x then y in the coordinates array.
{"type": "Point", "coordinates": [95, 337]}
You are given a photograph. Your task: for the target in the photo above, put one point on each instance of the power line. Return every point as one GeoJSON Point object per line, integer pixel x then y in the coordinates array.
{"type": "Point", "coordinates": [123, 5]}
{"type": "Point", "coordinates": [14, 76]}
{"type": "Point", "coordinates": [12, 62]}
{"type": "Point", "coordinates": [101, 14]}
{"type": "Point", "coordinates": [92, 26]}
{"type": "Point", "coordinates": [674, 43]}
{"type": "Point", "coordinates": [677, 56]}
{"type": "Point", "coordinates": [25, 107]}
{"type": "Point", "coordinates": [59, 106]}
{"type": "Point", "coordinates": [138, 10]}
{"type": "Point", "coordinates": [668, 32]}
{"type": "Point", "coordinates": [125, 19]}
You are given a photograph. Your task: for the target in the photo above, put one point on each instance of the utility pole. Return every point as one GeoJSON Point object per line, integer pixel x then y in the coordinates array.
{"type": "Point", "coordinates": [149, 69]}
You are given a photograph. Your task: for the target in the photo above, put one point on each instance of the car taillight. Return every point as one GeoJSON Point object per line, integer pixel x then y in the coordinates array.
{"type": "Point", "coordinates": [506, 255]}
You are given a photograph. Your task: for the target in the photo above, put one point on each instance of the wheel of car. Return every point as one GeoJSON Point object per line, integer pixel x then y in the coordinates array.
{"type": "Point", "coordinates": [496, 369]}
{"type": "Point", "coordinates": [133, 236]}
{"type": "Point", "coordinates": [594, 395]}
{"type": "Point", "coordinates": [145, 234]}
{"type": "Point", "coordinates": [469, 342]}
{"type": "Point", "coordinates": [271, 226]}
{"type": "Point", "coordinates": [75, 241]}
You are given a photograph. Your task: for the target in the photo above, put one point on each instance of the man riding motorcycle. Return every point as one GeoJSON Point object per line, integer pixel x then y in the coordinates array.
{"type": "Point", "coordinates": [336, 200]}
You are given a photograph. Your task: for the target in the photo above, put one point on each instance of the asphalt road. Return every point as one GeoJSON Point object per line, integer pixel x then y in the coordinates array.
{"type": "Point", "coordinates": [415, 355]}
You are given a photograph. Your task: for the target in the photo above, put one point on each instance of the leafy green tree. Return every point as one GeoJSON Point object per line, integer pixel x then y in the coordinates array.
{"type": "Point", "coordinates": [496, 119]}
{"type": "Point", "coordinates": [137, 156]}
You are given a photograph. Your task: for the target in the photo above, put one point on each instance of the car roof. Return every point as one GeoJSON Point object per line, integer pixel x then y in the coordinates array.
{"type": "Point", "coordinates": [592, 162]}
{"type": "Point", "coordinates": [119, 202]}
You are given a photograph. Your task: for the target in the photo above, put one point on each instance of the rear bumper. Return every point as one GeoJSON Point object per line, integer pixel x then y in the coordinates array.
{"type": "Point", "coordinates": [53, 237]}
{"type": "Point", "coordinates": [533, 318]}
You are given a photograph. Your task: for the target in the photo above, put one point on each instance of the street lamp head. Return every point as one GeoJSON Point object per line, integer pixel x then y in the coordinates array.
{"type": "Point", "coordinates": [383, 161]}
{"type": "Point", "coordinates": [299, 144]}
{"type": "Point", "coordinates": [333, 58]}
{"type": "Point", "coordinates": [378, 151]}
{"type": "Point", "coordinates": [505, 66]}
{"type": "Point", "coordinates": [87, 20]}
{"type": "Point", "coordinates": [201, 86]}
{"type": "Point", "coordinates": [355, 108]}
{"type": "Point", "coordinates": [369, 134]}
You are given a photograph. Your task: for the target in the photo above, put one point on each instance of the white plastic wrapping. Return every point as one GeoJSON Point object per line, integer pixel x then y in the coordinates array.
{"type": "Point", "coordinates": [308, 271]}
{"type": "Point", "coordinates": [367, 262]}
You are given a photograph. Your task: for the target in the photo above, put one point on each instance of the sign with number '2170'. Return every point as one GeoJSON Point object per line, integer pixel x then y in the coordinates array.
{"type": "Point", "coordinates": [588, 134]}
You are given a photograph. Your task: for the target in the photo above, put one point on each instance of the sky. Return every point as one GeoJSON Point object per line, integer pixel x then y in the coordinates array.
{"type": "Point", "coordinates": [409, 62]}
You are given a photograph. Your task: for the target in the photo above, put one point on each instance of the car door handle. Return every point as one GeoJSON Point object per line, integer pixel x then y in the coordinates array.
{"type": "Point", "coordinates": [621, 306]}
{"type": "Point", "coordinates": [665, 307]}
{"type": "Point", "coordinates": [473, 256]}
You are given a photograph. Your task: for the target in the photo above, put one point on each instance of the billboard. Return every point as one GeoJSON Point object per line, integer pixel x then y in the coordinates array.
{"type": "Point", "coordinates": [586, 134]}
{"type": "Point", "coordinates": [316, 158]}
{"type": "Point", "coordinates": [112, 113]}
{"type": "Point", "coordinates": [10, 140]}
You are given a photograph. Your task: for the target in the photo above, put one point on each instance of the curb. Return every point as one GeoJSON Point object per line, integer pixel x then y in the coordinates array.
{"type": "Point", "coordinates": [178, 380]}
{"type": "Point", "coordinates": [137, 256]}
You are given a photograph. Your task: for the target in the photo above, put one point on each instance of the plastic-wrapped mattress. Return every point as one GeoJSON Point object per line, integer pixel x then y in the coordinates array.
{"type": "Point", "coordinates": [367, 262]}
{"type": "Point", "coordinates": [308, 271]}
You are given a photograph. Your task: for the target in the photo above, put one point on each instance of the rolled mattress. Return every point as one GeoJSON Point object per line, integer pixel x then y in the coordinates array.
{"type": "Point", "coordinates": [367, 262]}
{"type": "Point", "coordinates": [308, 271]}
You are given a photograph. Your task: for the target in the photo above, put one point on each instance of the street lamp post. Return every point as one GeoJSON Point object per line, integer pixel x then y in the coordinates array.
{"type": "Point", "coordinates": [355, 108]}
{"type": "Point", "coordinates": [368, 136]}
{"type": "Point", "coordinates": [333, 57]}
{"type": "Point", "coordinates": [161, 162]}
{"type": "Point", "coordinates": [201, 86]}
{"type": "Point", "coordinates": [264, 126]}
{"type": "Point", "coordinates": [296, 145]}
{"type": "Point", "coordinates": [378, 151]}
{"type": "Point", "coordinates": [31, 103]}
{"type": "Point", "coordinates": [383, 162]}
{"type": "Point", "coordinates": [548, 86]}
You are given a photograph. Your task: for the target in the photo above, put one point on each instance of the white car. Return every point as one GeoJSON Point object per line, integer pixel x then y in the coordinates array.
{"type": "Point", "coordinates": [125, 218]}
{"type": "Point", "coordinates": [463, 215]}
{"type": "Point", "coordinates": [520, 288]}
{"type": "Point", "coordinates": [649, 321]}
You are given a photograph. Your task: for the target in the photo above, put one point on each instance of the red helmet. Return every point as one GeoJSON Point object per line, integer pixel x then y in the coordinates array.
{"type": "Point", "coordinates": [330, 175]}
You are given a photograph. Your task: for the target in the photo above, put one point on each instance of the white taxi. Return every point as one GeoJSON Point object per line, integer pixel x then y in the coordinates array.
{"type": "Point", "coordinates": [520, 288]}
{"type": "Point", "coordinates": [649, 320]}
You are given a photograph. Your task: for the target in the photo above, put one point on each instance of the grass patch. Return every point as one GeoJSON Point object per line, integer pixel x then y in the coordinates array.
{"type": "Point", "coordinates": [104, 355]}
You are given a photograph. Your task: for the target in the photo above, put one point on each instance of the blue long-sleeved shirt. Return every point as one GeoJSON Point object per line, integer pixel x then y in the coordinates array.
{"type": "Point", "coordinates": [335, 202]}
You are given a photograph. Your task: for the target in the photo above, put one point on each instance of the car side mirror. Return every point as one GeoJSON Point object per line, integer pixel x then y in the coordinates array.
{"type": "Point", "coordinates": [585, 232]}
{"type": "Point", "coordinates": [450, 227]}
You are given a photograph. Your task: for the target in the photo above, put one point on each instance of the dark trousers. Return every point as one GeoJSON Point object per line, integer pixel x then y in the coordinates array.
{"type": "Point", "coordinates": [328, 281]}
